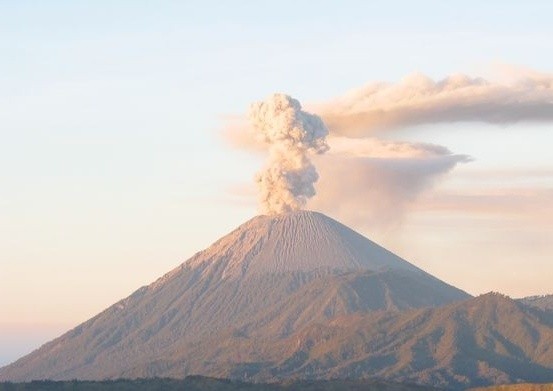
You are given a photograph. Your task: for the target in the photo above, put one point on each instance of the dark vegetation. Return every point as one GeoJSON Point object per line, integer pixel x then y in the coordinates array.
{"type": "Point", "coordinates": [517, 387]}
{"type": "Point", "coordinates": [200, 383]}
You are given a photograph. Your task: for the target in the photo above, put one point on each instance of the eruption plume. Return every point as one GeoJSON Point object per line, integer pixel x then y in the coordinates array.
{"type": "Point", "coordinates": [418, 100]}
{"type": "Point", "coordinates": [368, 178]}
{"type": "Point", "coordinates": [292, 135]}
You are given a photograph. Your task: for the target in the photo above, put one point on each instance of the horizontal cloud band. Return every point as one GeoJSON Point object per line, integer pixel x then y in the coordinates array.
{"type": "Point", "coordinates": [418, 100]}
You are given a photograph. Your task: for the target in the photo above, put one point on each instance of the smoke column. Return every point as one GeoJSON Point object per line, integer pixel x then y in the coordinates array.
{"type": "Point", "coordinates": [291, 135]}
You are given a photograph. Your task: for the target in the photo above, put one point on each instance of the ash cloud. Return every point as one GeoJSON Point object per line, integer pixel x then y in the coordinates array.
{"type": "Point", "coordinates": [291, 136]}
{"type": "Point", "coordinates": [372, 183]}
{"type": "Point", "coordinates": [418, 100]}
{"type": "Point", "coordinates": [364, 179]}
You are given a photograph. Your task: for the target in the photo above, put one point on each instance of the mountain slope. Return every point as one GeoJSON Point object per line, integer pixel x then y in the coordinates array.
{"type": "Point", "coordinates": [486, 340]}
{"type": "Point", "coordinates": [544, 302]}
{"type": "Point", "coordinates": [271, 274]}
{"type": "Point", "coordinates": [295, 242]}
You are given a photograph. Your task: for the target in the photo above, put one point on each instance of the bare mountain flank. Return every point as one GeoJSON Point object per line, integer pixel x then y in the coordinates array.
{"type": "Point", "coordinates": [301, 296]}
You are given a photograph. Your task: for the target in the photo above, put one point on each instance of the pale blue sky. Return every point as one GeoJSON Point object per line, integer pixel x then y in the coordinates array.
{"type": "Point", "coordinates": [112, 169]}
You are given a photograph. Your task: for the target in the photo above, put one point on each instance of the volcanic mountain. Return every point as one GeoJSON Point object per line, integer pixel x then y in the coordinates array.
{"type": "Point", "coordinates": [300, 295]}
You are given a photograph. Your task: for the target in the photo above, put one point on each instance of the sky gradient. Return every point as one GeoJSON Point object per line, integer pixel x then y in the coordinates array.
{"type": "Point", "coordinates": [113, 167]}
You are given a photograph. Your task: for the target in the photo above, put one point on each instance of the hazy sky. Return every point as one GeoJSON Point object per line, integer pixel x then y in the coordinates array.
{"type": "Point", "coordinates": [113, 169]}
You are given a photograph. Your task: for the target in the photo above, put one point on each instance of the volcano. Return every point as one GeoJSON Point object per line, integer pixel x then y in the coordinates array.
{"type": "Point", "coordinates": [264, 303]}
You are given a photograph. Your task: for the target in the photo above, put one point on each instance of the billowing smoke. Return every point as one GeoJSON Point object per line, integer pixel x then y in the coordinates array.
{"type": "Point", "coordinates": [383, 179]}
{"type": "Point", "coordinates": [364, 178]}
{"type": "Point", "coordinates": [292, 135]}
{"type": "Point", "coordinates": [418, 100]}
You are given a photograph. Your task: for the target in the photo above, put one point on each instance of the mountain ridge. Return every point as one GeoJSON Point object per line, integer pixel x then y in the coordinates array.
{"type": "Point", "coordinates": [479, 341]}
{"type": "Point", "coordinates": [543, 302]}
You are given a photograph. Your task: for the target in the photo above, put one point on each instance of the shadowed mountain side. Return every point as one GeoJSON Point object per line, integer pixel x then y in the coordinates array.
{"type": "Point", "coordinates": [151, 324]}
{"type": "Point", "coordinates": [331, 296]}
{"type": "Point", "coordinates": [487, 340]}
{"type": "Point", "coordinates": [544, 302]}
{"type": "Point", "coordinates": [271, 276]}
